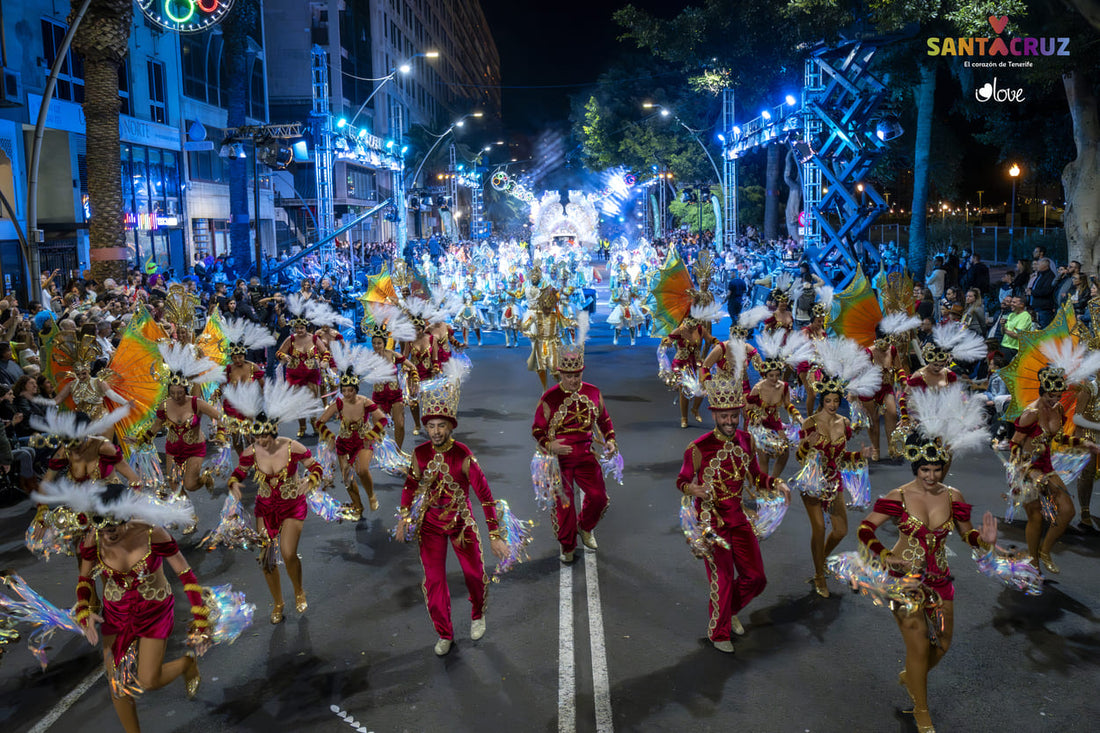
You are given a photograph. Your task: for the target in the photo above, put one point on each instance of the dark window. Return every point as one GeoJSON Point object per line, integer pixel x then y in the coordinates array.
{"type": "Point", "coordinates": [126, 106]}
{"type": "Point", "coordinates": [158, 110]}
{"type": "Point", "coordinates": [193, 53]}
{"type": "Point", "coordinates": [70, 77]}
{"type": "Point", "coordinates": [256, 92]}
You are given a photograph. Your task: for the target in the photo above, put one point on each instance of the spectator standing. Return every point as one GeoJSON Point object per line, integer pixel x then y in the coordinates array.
{"type": "Point", "coordinates": [1064, 281]}
{"type": "Point", "coordinates": [937, 279]}
{"type": "Point", "coordinates": [1041, 293]}
{"type": "Point", "coordinates": [1015, 323]}
{"type": "Point", "coordinates": [1022, 278]}
{"type": "Point", "coordinates": [977, 275]}
{"type": "Point", "coordinates": [974, 313]}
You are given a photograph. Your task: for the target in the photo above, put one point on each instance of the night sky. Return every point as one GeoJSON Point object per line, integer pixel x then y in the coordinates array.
{"type": "Point", "coordinates": [568, 42]}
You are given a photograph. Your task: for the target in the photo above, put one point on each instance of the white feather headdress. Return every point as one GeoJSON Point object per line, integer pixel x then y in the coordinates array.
{"type": "Point", "coordinates": [770, 345]}
{"type": "Point", "coordinates": [447, 304]}
{"type": "Point", "coordinates": [712, 312]}
{"type": "Point", "coordinates": [948, 415]}
{"type": "Point", "coordinates": [81, 497]}
{"type": "Point", "coordinates": [134, 507]}
{"type": "Point", "coordinates": [283, 402]}
{"type": "Point", "coordinates": [849, 367]}
{"type": "Point", "coordinates": [65, 424]}
{"type": "Point", "coordinates": [753, 317]}
{"type": "Point", "coordinates": [242, 332]}
{"type": "Point", "coordinates": [894, 323]}
{"type": "Point", "coordinates": [797, 349]}
{"type": "Point", "coordinates": [394, 320]}
{"type": "Point", "coordinates": [365, 364]}
{"type": "Point", "coordinates": [296, 304]}
{"type": "Point", "coordinates": [182, 359]}
{"type": "Point", "coordinates": [320, 313]}
{"type": "Point", "coordinates": [246, 397]}
{"type": "Point", "coordinates": [825, 297]}
{"type": "Point", "coordinates": [1077, 361]}
{"type": "Point", "coordinates": [962, 343]}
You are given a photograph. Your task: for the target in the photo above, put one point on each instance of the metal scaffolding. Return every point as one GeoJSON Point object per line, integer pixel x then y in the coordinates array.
{"type": "Point", "coordinates": [321, 119]}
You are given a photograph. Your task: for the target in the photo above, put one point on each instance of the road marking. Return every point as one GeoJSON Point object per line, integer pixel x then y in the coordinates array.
{"type": "Point", "coordinates": [66, 702]}
{"type": "Point", "coordinates": [601, 683]}
{"type": "Point", "coordinates": [567, 692]}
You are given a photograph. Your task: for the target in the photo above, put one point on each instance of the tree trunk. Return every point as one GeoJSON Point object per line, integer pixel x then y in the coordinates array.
{"type": "Point", "coordinates": [102, 40]}
{"type": "Point", "coordinates": [771, 194]}
{"type": "Point", "coordinates": [235, 31]}
{"type": "Point", "coordinates": [1081, 176]}
{"type": "Point", "coordinates": [792, 174]}
{"type": "Point", "coordinates": [918, 221]}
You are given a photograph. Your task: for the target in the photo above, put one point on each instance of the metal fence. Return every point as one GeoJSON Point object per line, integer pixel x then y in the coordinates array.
{"type": "Point", "coordinates": [994, 244]}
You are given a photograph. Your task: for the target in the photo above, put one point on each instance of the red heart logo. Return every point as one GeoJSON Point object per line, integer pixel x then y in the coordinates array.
{"type": "Point", "coordinates": [998, 24]}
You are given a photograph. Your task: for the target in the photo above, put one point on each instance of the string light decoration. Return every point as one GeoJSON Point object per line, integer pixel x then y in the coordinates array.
{"type": "Point", "coordinates": [186, 16]}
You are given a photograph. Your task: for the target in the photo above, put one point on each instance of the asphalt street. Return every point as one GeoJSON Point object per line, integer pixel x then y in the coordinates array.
{"type": "Point", "coordinates": [633, 615]}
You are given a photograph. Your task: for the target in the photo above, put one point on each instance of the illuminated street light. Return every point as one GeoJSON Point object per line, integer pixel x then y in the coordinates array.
{"type": "Point", "coordinates": [1014, 173]}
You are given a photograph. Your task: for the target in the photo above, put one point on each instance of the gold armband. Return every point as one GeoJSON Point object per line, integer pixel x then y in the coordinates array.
{"type": "Point", "coordinates": [200, 611]}
{"type": "Point", "coordinates": [494, 534]}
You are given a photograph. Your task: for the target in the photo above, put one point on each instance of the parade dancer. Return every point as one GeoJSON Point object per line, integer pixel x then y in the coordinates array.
{"type": "Point", "coordinates": [566, 420]}
{"type": "Point", "coordinates": [83, 453]}
{"type": "Point", "coordinates": [544, 325]}
{"type": "Point", "coordinates": [127, 544]}
{"type": "Point", "coordinates": [717, 468]}
{"type": "Point", "coordinates": [511, 317]}
{"type": "Point", "coordinates": [243, 336]}
{"type": "Point", "coordinates": [305, 354]}
{"type": "Point", "coordinates": [912, 577]}
{"type": "Point", "coordinates": [626, 312]}
{"type": "Point", "coordinates": [362, 422]}
{"type": "Point", "coordinates": [1040, 435]}
{"type": "Point", "coordinates": [846, 369]}
{"type": "Point", "coordinates": [392, 323]}
{"type": "Point", "coordinates": [469, 318]}
{"type": "Point", "coordinates": [285, 474]}
{"type": "Point", "coordinates": [771, 394]}
{"type": "Point", "coordinates": [421, 352]}
{"type": "Point", "coordinates": [88, 393]}
{"type": "Point", "coordinates": [436, 509]}
{"type": "Point", "coordinates": [1087, 417]}
{"type": "Point", "coordinates": [690, 339]}
{"type": "Point", "coordinates": [885, 354]}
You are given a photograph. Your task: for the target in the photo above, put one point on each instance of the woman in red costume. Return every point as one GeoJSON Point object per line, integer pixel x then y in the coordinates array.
{"type": "Point", "coordinates": [885, 354]}
{"type": "Point", "coordinates": [771, 395]}
{"type": "Point", "coordinates": [182, 415]}
{"type": "Point", "coordinates": [362, 422]}
{"type": "Point", "coordinates": [846, 369]}
{"type": "Point", "coordinates": [781, 318]}
{"type": "Point", "coordinates": [243, 336]}
{"type": "Point", "coordinates": [724, 354]}
{"type": "Point", "coordinates": [422, 354]}
{"type": "Point", "coordinates": [285, 474]}
{"type": "Point", "coordinates": [690, 339]}
{"type": "Point", "coordinates": [127, 546]}
{"type": "Point", "coordinates": [391, 323]}
{"type": "Point", "coordinates": [303, 353]}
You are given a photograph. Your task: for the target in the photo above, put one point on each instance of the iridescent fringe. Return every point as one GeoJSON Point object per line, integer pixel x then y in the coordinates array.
{"type": "Point", "coordinates": [858, 416]}
{"type": "Point", "coordinates": [390, 459]}
{"type": "Point", "coordinates": [766, 512]}
{"type": "Point", "coordinates": [771, 442]}
{"type": "Point", "coordinates": [463, 361]}
{"type": "Point", "coordinates": [230, 614]}
{"type": "Point", "coordinates": [857, 482]}
{"type": "Point", "coordinates": [416, 516]}
{"type": "Point", "coordinates": [146, 463]}
{"type": "Point", "coordinates": [701, 537]}
{"type": "Point", "coordinates": [870, 577]}
{"type": "Point", "coordinates": [794, 432]}
{"type": "Point", "coordinates": [1012, 570]}
{"type": "Point", "coordinates": [516, 533]}
{"type": "Point", "coordinates": [612, 465]}
{"type": "Point", "coordinates": [325, 506]}
{"type": "Point", "coordinates": [233, 531]}
{"type": "Point", "coordinates": [546, 478]}
{"type": "Point", "coordinates": [665, 372]}
{"type": "Point", "coordinates": [123, 678]}
{"type": "Point", "coordinates": [35, 610]}
{"type": "Point", "coordinates": [690, 386]}
{"type": "Point", "coordinates": [1070, 464]}
{"type": "Point", "coordinates": [62, 531]}
{"type": "Point", "coordinates": [326, 457]}
{"type": "Point", "coordinates": [810, 479]}
{"type": "Point", "coordinates": [221, 463]}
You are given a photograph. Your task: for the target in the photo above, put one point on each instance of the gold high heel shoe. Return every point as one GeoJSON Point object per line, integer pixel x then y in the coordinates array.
{"type": "Point", "coordinates": [902, 681]}
{"type": "Point", "coordinates": [277, 613]}
{"type": "Point", "coordinates": [923, 720]}
{"type": "Point", "coordinates": [1048, 563]}
{"type": "Point", "coordinates": [374, 503]}
{"type": "Point", "coordinates": [192, 679]}
{"type": "Point", "coordinates": [683, 422]}
{"type": "Point", "coordinates": [300, 602]}
{"type": "Point", "coordinates": [820, 587]}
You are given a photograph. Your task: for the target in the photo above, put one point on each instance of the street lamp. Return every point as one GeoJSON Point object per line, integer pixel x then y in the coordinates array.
{"type": "Point", "coordinates": [405, 67]}
{"type": "Point", "coordinates": [460, 122]}
{"type": "Point", "coordinates": [1014, 172]}
{"type": "Point", "coordinates": [1044, 217]}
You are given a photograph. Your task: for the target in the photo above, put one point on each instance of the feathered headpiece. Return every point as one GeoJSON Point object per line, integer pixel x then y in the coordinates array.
{"type": "Point", "coordinates": [311, 310]}
{"type": "Point", "coordinates": [784, 284]}
{"type": "Point", "coordinates": [185, 367]}
{"type": "Point", "coordinates": [179, 308]}
{"type": "Point", "coordinates": [824, 305]}
{"type": "Point", "coordinates": [88, 498]}
{"type": "Point", "coordinates": [391, 322]}
{"type": "Point", "coordinates": [948, 423]}
{"type": "Point", "coordinates": [420, 311]}
{"type": "Point", "coordinates": [446, 304]}
{"type": "Point", "coordinates": [748, 320]}
{"type": "Point", "coordinates": [1067, 364]}
{"type": "Point", "coordinates": [276, 402]}
{"type": "Point", "coordinates": [780, 348]}
{"type": "Point", "coordinates": [244, 335]}
{"type": "Point", "coordinates": [707, 312]}
{"type": "Point", "coordinates": [296, 303]}
{"type": "Point", "coordinates": [848, 369]}
{"type": "Point", "coordinates": [71, 428]}
{"type": "Point", "coordinates": [439, 396]}
{"type": "Point", "coordinates": [893, 324]}
{"type": "Point", "coordinates": [953, 342]}
{"type": "Point", "coordinates": [571, 358]}
{"type": "Point", "coordinates": [356, 364]}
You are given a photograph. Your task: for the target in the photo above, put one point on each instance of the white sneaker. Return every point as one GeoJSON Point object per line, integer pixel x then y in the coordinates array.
{"type": "Point", "coordinates": [631, 340]}
{"type": "Point", "coordinates": [588, 540]}
{"type": "Point", "coordinates": [736, 626]}
{"type": "Point", "coordinates": [722, 646]}
{"type": "Point", "coordinates": [442, 647]}
{"type": "Point", "coordinates": [477, 628]}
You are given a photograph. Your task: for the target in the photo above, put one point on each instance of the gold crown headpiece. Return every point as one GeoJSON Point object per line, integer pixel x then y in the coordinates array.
{"type": "Point", "coordinates": [571, 359]}
{"type": "Point", "coordinates": [299, 321]}
{"type": "Point", "coordinates": [178, 379]}
{"type": "Point", "coordinates": [379, 331]}
{"type": "Point", "coordinates": [830, 384]}
{"type": "Point", "coordinates": [439, 399]}
{"type": "Point", "coordinates": [933, 352]}
{"type": "Point", "coordinates": [86, 352]}
{"type": "Point", "coordinates": [817, 310]}
{"type": "Point", "coordinates": [724, 394]}
{"type": "Point", "coordinates": [179, 308]}
{"type": "Point", "coordinates": [263, 425]}
{"type": "Point", "coordinates": [1052, 379]}
{"type": "Point", "coordinates": [781, 296]}
{"type": "Point", "coordinates": [929, 451]}
{"type": "Point", "coordinates": [349, 378]}
{"type": "Point", "coordinates": [238, 348]}
{"type": "Point", "coordinates": [771, 365]}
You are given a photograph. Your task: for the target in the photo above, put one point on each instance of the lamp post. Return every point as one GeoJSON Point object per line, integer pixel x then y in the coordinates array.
{"type": "Point", "coordinates": [460, 122]}
{"type": "Point", "coordinates": [1014, 173]}
{"type": "Point", "coordinates": [1044, 216]}
{"type": "Point", "coordinates": [404, 67]}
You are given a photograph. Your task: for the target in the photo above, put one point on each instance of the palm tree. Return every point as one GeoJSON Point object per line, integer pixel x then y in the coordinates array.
{"type": "Point", "coordinates": [103, 40]}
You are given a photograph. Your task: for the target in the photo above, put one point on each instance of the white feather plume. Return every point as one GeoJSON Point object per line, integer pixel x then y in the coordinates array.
{"type": "Point", "coordinates": [296, 304]}
{"type": "Point", "coordinates": [712, 312]}
{"type": "Point", "coordinates": [447, 303]}
{"type": "Point", "coordinates": [395, 321]}
{"type": "Point", "coordinates": [66, 424]}
{"type": "Point", "coordinates": [798, 348]}
{"type": "Point", "coordinates": [132, 506]}
{"type": "Point", "coordinates": [825, 297]}
{"type": "Point", "coordinates": [784, 282]}
{"type": "Point", "coordinates": [320, 313]}
{"type": "Point", "coordinates": [283, 401]}
{"type": "Point", "coordinates": [846, 360]}
{"type": "Point", "coordinates": [739, 354]}
{"type": "Point", "coordinates": [582, 327]}
{"type": "Point", "coordinates": [420, 308]}
{"type": "Point", "coordinates": [964, 344]}
{"type": "Point", "coordinates": [753, 317]}
{"type": "Point", "coordinates": [81, 496]}
{"type": "Point", "coordinates": [894, 323]}
{"type": "Point", "coordinates": [246, 397]}
{"type": "Point", "coordinates": [367, 365]}
{"type": "Point", "coordinates": [250, 335]}
{"type": "Point", "coordinates": [770, 345]}
{"type": "Point", "coordinates": [948, 414]}
{"type": "Point", "coordinates": [1076, 360]}
{"type": "Point", "coordinates": [197, 369]}
{"type": "Point", "coordinates": [456, 370]}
